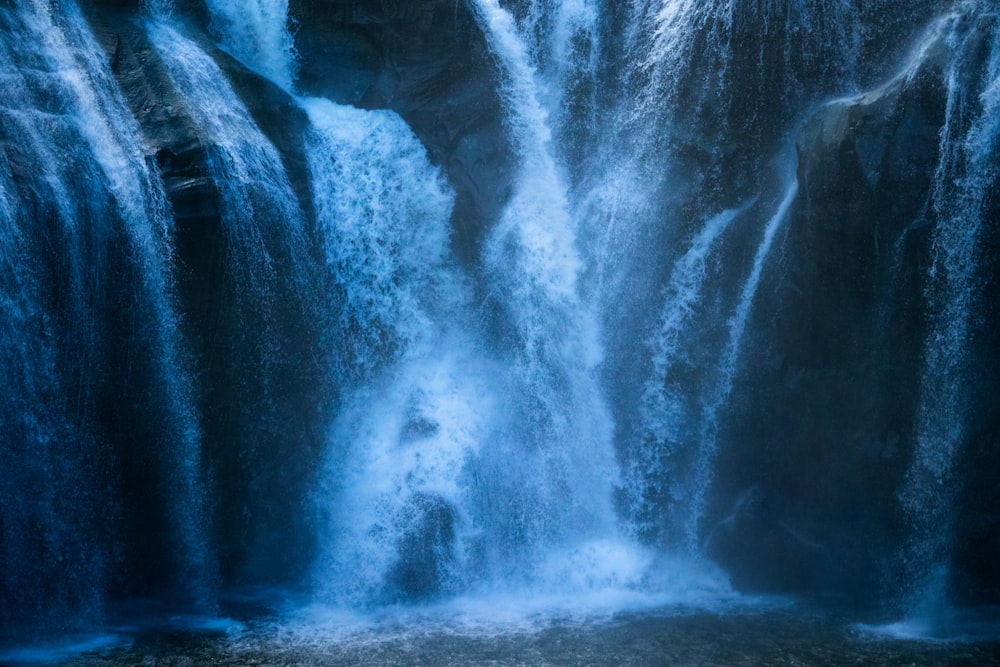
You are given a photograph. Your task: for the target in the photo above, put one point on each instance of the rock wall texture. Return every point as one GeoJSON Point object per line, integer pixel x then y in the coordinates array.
{"type": "Point", "coordinates": [823, 427]}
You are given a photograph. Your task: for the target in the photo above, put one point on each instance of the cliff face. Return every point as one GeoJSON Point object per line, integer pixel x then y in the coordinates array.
{"type": "Point", "coordinates": [832, 405]}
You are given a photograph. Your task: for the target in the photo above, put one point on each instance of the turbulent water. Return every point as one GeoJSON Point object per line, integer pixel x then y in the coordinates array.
{"type": "Point", "coordinates": [263, 358]}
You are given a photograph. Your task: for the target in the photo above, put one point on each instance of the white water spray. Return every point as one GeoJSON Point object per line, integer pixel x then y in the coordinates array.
{"type": "Point", "coordinates": [256, 32]}
{"type": "Point", "coordinates": [533, 265]}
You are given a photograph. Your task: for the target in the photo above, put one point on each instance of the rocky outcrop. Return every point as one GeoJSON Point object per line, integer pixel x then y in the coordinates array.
{"type": "Point", "coordinates": [822, 429]}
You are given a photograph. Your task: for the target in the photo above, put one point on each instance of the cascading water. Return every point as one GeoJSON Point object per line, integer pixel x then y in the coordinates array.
{"type": "Point", "coordinates": [532, 265]}
{"type": "Point", "coordinates": [390, 498]}
{"type": "Point", "coordinates": [142, 205]}
{"type": "Point", "coordinates": [253, 185]}
{"type": "Point", "coordinates": [251, 336]}
{"type": "Point", "coordinates": [83, 211]}
{"type": "Point", "coordinates": [565, 44]}
{"type": "Point", "coordinates": [963, 183]}
{"type": "Point", "coordinates": [256, 32]}
{"type": "Point", "coordinates": [261, 304]}
{"type": "Point", "coordinates": [620, 202]}
{"type": "Point", "coordinates": [665, 406]}
{"type": "Point", "coordinates": [429, 481]}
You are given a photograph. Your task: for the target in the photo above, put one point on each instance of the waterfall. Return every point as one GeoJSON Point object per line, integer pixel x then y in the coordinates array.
{"type": "Point", "coordinates": [385, 216]}
{"type": "Point", "coordinates": [451, 465]}
{"type": "Point", "coordinates": [568, 329]}
{"type": "Point", "coordinates": [256, 32]}
{"type": "Point", "coordinates": [84, 217]}
{"type": "Point", "coordinates": [624, 204]}
{"type": "Point", "coordinates": [737, 325]}
{"type": "Point", "coordinates": [141, 202]}
{"type": "Point", "coordinates": [964, 181]}
{"type": "Point", "coordinates": [533, 264]}
{"type": "Point", "coordinates": [420, 495]}
{"type": "Point", "coordinates": [671, 469]}
{"type": "Point", "coordinates": [265, 377]}
{"type": "Point", "coordinates": [665, 408]}
{"type": "Point", "coordinates": [724, 37]}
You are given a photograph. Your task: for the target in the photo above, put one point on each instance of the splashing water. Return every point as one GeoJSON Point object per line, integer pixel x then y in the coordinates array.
{"type": "Point", "coordinates": [413, 416]}
{"type": "Point", "coordinates": [385, 213]}
{"type": "Point", "coordinates": [532, 263]}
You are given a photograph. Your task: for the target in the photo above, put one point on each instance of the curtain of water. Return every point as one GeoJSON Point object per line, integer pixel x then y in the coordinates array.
{"type": "Point", "coordinates": [532, 264]}
{"type": "Point", "coordinates": [965, 179]}
{"type": "Point", "coordinates": [256, 32]}
{"type": "Point", "coordinates": [88, 223]}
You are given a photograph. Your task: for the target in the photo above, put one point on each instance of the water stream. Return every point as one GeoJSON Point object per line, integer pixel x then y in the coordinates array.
{"type": "Point", "coordinates": [298, 408]}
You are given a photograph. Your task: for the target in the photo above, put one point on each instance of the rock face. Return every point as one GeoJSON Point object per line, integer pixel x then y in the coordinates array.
{"type": "Point", "coordinates": [824, 414]}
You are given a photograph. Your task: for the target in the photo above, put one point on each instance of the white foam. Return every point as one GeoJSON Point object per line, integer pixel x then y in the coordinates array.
{"type": "Point", "coordinates": [410, 436]}
{"type": "Point", "coordinates": [677, 587]}
{"type": "Point", "coordinates": [567, 468]}
{"type": "Point", "coordinates": [383, 212]}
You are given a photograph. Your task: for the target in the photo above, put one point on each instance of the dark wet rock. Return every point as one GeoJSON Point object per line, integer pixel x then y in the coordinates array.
{"type": "Point", "coordinates": [823, 410]}
{"type": "Point", "coordinates": [426, 549]}
{"type": "Point", "coordinates": [783, 556]}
